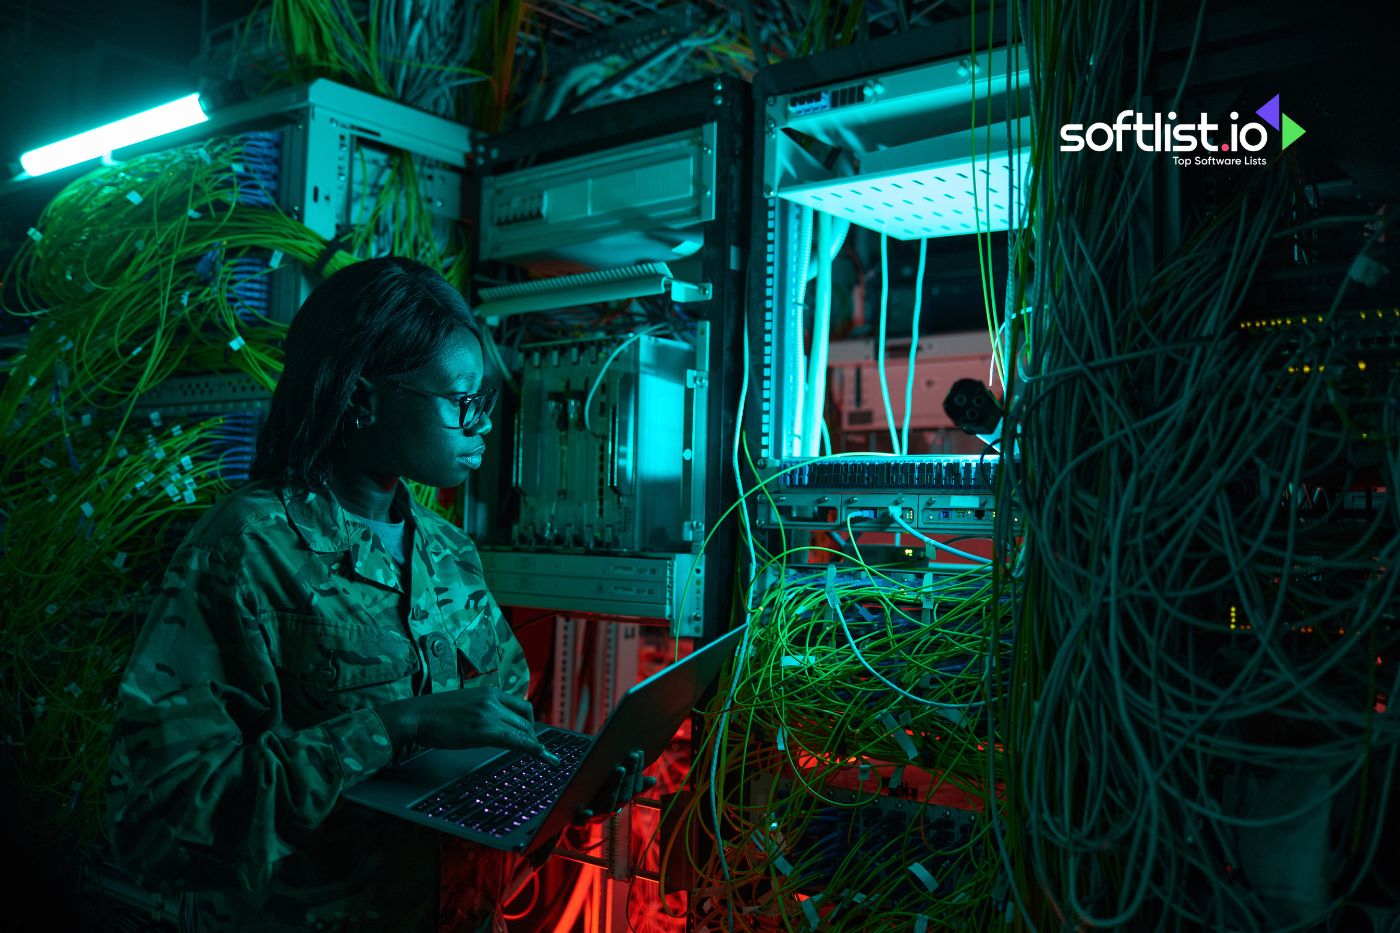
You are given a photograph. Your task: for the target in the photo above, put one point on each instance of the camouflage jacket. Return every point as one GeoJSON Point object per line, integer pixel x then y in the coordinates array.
{"type": "Point", "coordinates": [248, 705]}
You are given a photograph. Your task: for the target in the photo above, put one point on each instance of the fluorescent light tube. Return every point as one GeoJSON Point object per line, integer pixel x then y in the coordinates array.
{"type": "Point", "coordinates": [167, 118]}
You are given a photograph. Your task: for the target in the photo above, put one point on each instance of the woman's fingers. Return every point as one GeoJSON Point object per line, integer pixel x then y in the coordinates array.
{"type": "Point", "coordinates": [639, 762]}
{"type": "Point", "coordinates": [518, 705]}
{"type": "Point", "coordinates": [619, 787]}
{"type": "Point", "coordinates": [517, 723]}
{"type": "Point", "coordinates": [520, 741]}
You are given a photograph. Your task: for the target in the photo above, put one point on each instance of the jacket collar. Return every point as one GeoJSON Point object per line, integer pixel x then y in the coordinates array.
{"type": "Point", "coordinates": [324, 525]}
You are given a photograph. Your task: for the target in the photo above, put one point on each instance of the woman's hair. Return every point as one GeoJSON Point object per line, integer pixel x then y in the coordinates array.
{"type": "Point", "coordinates": [373, 318]}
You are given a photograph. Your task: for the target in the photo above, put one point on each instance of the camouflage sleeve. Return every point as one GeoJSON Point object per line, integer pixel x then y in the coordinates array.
{"type": "Point", "coordinates": [514, 670]}
{"type": "Point", "coordinates": [206, 782]}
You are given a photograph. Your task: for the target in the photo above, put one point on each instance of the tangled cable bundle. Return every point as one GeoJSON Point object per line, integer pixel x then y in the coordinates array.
{"type": "Point", "coordinates": [861, 702]}
{"type": "Point", "coordinates": [1193, 627]}
{"type": "Point", "coordinates": [135, 273]}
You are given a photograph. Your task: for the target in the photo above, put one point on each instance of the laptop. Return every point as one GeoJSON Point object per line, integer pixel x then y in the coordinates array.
{"type": "Point", "coordinates": [512, 800]}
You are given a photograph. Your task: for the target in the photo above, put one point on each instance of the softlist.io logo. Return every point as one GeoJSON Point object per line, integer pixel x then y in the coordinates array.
{"type": "Point", "coordinates": [1281, 122]}
{"type": "Point", "coordinates": [1236, 141]}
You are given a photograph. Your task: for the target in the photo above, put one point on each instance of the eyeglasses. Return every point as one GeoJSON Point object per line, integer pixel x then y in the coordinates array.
{"type": "Point", "coordinates": [474, 408]}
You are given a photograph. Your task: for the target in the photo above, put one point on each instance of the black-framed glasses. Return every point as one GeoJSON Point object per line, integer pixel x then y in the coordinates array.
{"type": "Point", "coordinates": [474, 408]}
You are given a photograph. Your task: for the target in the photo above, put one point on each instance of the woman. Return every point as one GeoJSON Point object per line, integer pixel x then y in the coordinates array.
{"type": "Point", "coordinates": [316, 625]}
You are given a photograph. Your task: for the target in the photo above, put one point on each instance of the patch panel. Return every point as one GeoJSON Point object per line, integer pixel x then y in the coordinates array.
{"type": "Point", "coordinates": [810, 102]}
{"type": "Point", "coordinates": [951, 494]}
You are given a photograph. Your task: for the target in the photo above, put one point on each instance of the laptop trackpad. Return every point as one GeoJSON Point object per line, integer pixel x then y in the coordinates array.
{"type": "Point", "coordinates": [404, 783]}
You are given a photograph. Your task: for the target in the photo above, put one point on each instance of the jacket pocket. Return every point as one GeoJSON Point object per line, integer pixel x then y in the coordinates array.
{"type": "Point", "coordinates": [478, 649]}
{"type": "Point", "coordinates": [334, 660]}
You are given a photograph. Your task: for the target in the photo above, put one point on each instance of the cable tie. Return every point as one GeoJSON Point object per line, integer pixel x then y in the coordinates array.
{"type": "Point", "coordinates": [205, 157]}
{"type": "Point", "coordinates": [32, 380]}
{"type": "Point", "coordinates": [86, 509]}
{"type": "Point", "coordinates": [66, 343]}
{"type": "Point", "coordinates": [172, 491]}
{"type": "Point", "coordinates": [50, 609]}
{"type": "Point", "coordinates": [783, 866]}
{"type": "Point", "coordinates": [35, 235]}
{"type": "Point", "coordinates": [189, 497]}
{"type": "Point", "coordinates": [809, 907]}
{"type": "Point", "coordinates": [73, 688]}
{"type": "Point", "coordinates": [120, 560]}
{"type": "Point", "coordinates": [86, 419]}
{"type": "Point", "coordinates": [133, 197]}
{"type": "Point", "coordinates": [334, 246]}
{"type": "Point", "coordinates": [155, 417]}
{"type": "Point", "coordinates": [176, 430]}
{"type": "Point", "coordinates": [797, 660]}
{"type": "Point", "coordinates": [782, 741]}
{"type": "Point", "coordinates": [900, 736]}
{"type": "Point", "coordinates": [46, 463]}
{"type": "Point", "coordinates": [140, 245]}
{"type": "Point", "coordinates": [922, 873]}
{"type": "Point", "coordinates": [88, 287]}
{"type": "Point", "coordinates": [186, 463]}
{"type": "Point", "coordinates": [864, 771]}
{"type": "Point", "coordinates": [897, 777]}
{"type": "Point", "coordinates": [192, 214]}
{"type": "Point", "coordinates": [236, 344]}
{"type": "Point", "coordinates": [830, 587]}
{"type": "Point", "coordinates": [275, 259]}
{"type": "Point", "coordinates": [956, 716]}
{"type": "Point", "coordinates": [236, 166]}
{"type": "Point", "coordinates": [920, 924]}
{"type": "Point", "coordinates": [137, 350]}
{"type": "Point", "coordinates": [185, 299]}
{"type": "Point", "coordinates": [859, 898]}
{"type": "Point", "coordinates": [53, 497]}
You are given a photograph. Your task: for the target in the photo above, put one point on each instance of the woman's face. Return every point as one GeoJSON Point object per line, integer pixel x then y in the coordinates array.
{"type": "Point", "coordinates": [419, 437]}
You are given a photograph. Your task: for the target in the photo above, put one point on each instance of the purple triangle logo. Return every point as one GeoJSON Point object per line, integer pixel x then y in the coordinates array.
{"type": "Point", "coordinates": [1270, 112]}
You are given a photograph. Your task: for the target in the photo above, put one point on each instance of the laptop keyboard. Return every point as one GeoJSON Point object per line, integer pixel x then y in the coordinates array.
{"type": "Point", "coordinates": [514, 790]}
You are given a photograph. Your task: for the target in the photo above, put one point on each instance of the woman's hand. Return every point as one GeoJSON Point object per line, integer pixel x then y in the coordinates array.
{"type": "Point", "coordinates": [627, 782]}
{"type": "Point", "coordinates": [464, 719]}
